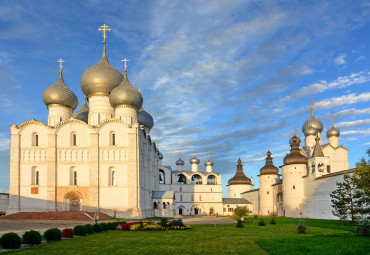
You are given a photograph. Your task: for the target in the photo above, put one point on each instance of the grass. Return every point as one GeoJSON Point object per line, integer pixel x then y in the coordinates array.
{"type": "Point", "coordinates": [323, 237]}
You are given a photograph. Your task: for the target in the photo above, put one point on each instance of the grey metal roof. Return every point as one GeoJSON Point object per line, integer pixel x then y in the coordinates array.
{"type": "Point", "coordinates": [235, 201]}
{"type": "Point", "coordinates": [317, 151]}
{"type": "Point", "coordinates": [163, 194]}
{"type": "Point", "coordinates": [145, 118]}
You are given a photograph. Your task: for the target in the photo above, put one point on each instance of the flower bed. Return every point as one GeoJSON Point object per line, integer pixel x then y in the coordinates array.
{"type": "Point", "coordinates": [156, 225]}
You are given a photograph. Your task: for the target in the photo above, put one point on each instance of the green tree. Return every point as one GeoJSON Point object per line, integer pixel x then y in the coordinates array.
{"type": "Point", "coordinates": [241, 211]}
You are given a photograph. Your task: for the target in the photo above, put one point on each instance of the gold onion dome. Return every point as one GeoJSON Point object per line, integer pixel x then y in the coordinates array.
{"type": "Point", "coordinates": [239, 177]}
{"type": "Point", "coordinates": [194, 160]}
{"type": "Point", "coordinates": [180, 162]}
{"type": "Point", "coordinates": [269, 167]}
{"type": "Point", "coordinates": [82, 113]}
{"type": "Point", "coordinates": [126, 95]}
{"type": "Point", "coordinates": [145, 118]}
{"type": "Point", "coordinates": [100, 79]}
{"type": "Point", "coordinates": [294, 157]}
{"type": "Point", "coordinates": [312, 122]}
{"type": "Point", "coordinates": [209, 163]}
{"type": "Point", "coordinates": [333, 131]}
{"type": "Point", "coordinates": [59, 93]}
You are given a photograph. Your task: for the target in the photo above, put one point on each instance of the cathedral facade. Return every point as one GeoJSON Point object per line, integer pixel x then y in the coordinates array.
{"type": "Point", "coordinates": [101, 158]}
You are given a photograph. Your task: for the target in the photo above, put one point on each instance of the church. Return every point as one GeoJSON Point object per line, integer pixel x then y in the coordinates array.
{"type": "Point", "coordinates": [101, 158]}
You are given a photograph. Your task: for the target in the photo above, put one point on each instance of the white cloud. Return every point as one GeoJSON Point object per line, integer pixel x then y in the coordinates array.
{"type": "Point", "coordinates": [4, 144]}
{"type": "Point", "coordinates": [356, 132]}
{"type": "Point", "coordinates": [353, 123]}
{"type": "Point", "coordinates": [340, 60]}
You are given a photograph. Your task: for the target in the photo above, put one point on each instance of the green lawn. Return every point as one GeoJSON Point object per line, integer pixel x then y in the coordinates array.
{"type": "Point", "coordinates": [323, 237]}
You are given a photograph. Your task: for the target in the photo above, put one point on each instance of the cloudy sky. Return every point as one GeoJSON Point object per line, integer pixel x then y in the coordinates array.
{"type": "Point", "coordinates": [230, 77]}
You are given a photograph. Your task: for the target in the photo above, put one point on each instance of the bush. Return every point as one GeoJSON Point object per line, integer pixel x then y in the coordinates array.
{"type": "Point", "coordinates": [80, 230]}
{"type": "Point", "coordinates": [241, 211]}
{"type": "Point", "coordinates": [273, 221]}
{"type": "Point", "coordinates": [261, 223]}
{"type": "Point", "coordinates": [67, 233]}
{"type": "Point", "coordinates": [255, 216]}
{"type": "Point", "coordinates": [363, 227]}
{"type": "Point", "coordinates": [174, 223]}
{"type": "Point", "coordinates": [104, 226]}
{"type": "Point", "coordinates": [10, 241]}
{"type": "Point", "coordinates": [112, 226]}
{"type": "Point", "coordinates": [53, 234]}
{"type": "Point", "coordinates": [141, 224]}
{"type": "Point", "coordinates": [97, 228]}
{"type": "Point", "coordinates": [31, 237]}
{"type": "Point", "coordinates": [89, 228]}
{"type": "Point", "coordinates": [163, 222]}
{"type": "Point", "coordinates": [301, 228]}
{"type": "Point", "coordinates": [239, 224]}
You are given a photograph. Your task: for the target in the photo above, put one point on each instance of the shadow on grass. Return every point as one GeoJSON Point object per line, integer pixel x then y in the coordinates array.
{"type": "Point", "coordinates": [345, 243]}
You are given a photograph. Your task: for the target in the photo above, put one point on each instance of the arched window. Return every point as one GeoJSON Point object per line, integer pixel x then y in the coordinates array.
{"type": "Point", "coordinates": [35, 176]}
{"type": "Point", "coordinates": [112, 176]}
{"type": "Point", "coordinates": [112, 138]}
{"type": "Point", "coordinates": [196, 179]}
{"type": "Point", "coordinates": [155, 205]}
{"type": "Point", "coordinates": [73, 175]}
{"type": "Point", "coordinates": [161, 177]}
{"type": "Point", "coordinates": [181, 179]}
{"type": "Point", "coordinates": [164, 205]}
{"type": "Point", "coordinates": [73, 139]}
{"type": "Point", "coordinates": [35, 139]}
{"type": "Point", "coordinates": [211, 180]}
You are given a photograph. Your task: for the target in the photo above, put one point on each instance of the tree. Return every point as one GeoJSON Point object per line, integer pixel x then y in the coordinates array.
{"type": "Point", "coordinates": [351, 199]}
{"type": "Point", "coordinates": [241, 211]}
{"type": "Point", "coordinates": [344, 200]}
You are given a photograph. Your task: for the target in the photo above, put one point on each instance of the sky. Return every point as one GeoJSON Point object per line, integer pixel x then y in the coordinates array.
{"type": "Point", "coordinates": [230, 77]}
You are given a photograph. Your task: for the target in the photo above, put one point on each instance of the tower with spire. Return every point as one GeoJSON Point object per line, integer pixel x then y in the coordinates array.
{"type": "Point", "coordinates": [269, 175]}
{"type": "Point", "coordinates": [318, 163]}
{"type": "Point", "coordinates": [239, 183]}
{"type": "Point", "coordinates": [311, 128]}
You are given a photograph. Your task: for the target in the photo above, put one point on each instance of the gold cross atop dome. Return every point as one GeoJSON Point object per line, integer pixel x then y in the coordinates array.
{"type": "Point", "coordinates": [294, 126]}
{"type": "Point", "coordinates": [60, 61]}
{"type": "Point", "coordinates": [332, 118]}
{"type": "Point", "coordinates": [125, 60]}
{"type": "Point", "coordinates": [104, 28]}
{"type": "Point", "coordinates": [139, 90]}
{"type": "Point", "coordinates": [312, 101]}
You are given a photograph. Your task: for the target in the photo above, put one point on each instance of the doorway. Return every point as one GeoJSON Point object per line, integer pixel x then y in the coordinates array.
{"type": "Point", "coordinates": [74, 202]}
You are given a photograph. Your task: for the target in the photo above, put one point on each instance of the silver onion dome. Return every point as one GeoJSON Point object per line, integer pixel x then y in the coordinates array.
{"type": "Point", "coordinates": [82, 113]}
{"type": "Point", "coordinates": [180, 162]}
{"type": "Point", "coordinates": [126, 95]}
{"type": "Point", "coordinates": [100, 79]}
{"type": "Point", "coordinates": [59, 93]}
{"type": "Point", "coordinates": [312, 122]}
{"type": "Point", "coordinates": [145, 118]}
{"type": "Point", "coordinates": [208, 163]}
{"type": "Point", "coordinates": [311, 131]}
{"type": "Point", "coordinates": [333, 131]}
{"type": "Point", "coordinates": [160, 155]}
{"type": "Point", "coordinates": [194, 160]}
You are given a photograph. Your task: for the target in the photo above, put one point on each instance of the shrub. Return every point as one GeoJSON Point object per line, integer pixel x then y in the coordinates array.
{"type": "Point", "coordinates": [261, 223]}
{"type": "Point", "coordinates": [31, 237]}
{"type": "Point", "coordinates": [163, 222]}
{"type": "Point", "coordinates": [135, 227]}
{"type": "Point", "coordinates": [97, 228]}
{"type": "Point", "coordinates": [255, 216]}
{"type": "Point", "coordinates": [80, 230]}
{"type": "Point", "coordinates": [112, 226]}
{"type": "Point", "coordinates": [10, 241]}
{"type": "Point", "coordinates": [175, 222]}
{"type": "Point", "coordinates": [67, 233]}
{"type": "Point", "coordinates": [273, 221]}
{"type": "Point", "coordinates": [141, 224]}
{"type": "Point", "coordinates": [301, 228]}
{"type": "Point", "coordinates": [89, 228]}
{"type": "Point", "coordinates": [104, 226]}
{"type": "Point", "coordinates": [241, 211]}
{"type": "Point", "coordinates": [363, 227]}
{"type": "Point", "coordinates": [53, 234]}
{"type": "Point", "coordinates": [239, 224]}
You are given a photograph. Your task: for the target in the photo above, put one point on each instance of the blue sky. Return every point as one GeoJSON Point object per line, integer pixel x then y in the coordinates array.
{"type": "Point", "coordinates": [230, 77]}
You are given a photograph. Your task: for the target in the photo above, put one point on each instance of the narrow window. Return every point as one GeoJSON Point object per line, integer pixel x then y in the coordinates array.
{"type": "Point", "coordinates": [113, 139]}
{"type": "Point", "coordinates": [192, 197]}
{"type": "Point", "coordinates": [37, 178]}
{"type": "Point", "coordinates": [74, 177]}
{"type": "Point", "coordinates": [293, 186]}
{"type": "Point", "coordinates": [164, 205]}
{"type": "Point", "coordinates": [35, 139]}
{"type": "Point", "coordinates": [74, 139]}
{"type": "Point", "coordinates": [180, 197]}
{"type": "Point", "coordinates": [180, 188]}
{"type": "Point", "coordinates": [328, 168]}
{"type": "Point", "coordinates": [268, 192]}
{"type": "Point", "coordinates": [200, 198]}
{"type": "Point", "coordinates": [113, 178]}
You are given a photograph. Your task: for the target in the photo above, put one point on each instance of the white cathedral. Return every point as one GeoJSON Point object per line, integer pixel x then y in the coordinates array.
{"type": "Point", "coordinates": [101, 158]}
